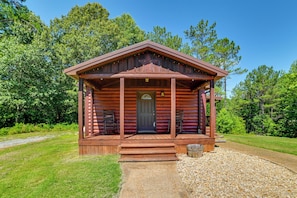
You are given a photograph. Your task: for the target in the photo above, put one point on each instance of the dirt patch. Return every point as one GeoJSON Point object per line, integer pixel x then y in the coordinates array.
{"type": "Point", "coordinates": [151, 179]}
{"type": "Point", "coordinates": [286, 160]}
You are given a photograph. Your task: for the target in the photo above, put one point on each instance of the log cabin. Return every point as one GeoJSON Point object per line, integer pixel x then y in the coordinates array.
{"type": "Point", "coordinates": [146, 102]}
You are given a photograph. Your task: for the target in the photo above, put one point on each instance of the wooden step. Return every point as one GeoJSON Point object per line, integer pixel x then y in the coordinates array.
{"type": "Point", "coordinates": [146, 145]}
{"type": "Point", "coordinates": [147, 158]}
{"type": "Point", "coordinates": [147, 152]}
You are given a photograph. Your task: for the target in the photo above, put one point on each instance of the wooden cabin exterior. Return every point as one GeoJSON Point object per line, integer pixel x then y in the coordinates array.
{"type": "Point", "coordinates": [144, 87]}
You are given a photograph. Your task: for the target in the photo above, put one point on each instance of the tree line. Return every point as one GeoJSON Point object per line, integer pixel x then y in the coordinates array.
{"type": "Point", "coordinates": [266, 100]}
{"type": "Point", "coordinates": [33, 88]}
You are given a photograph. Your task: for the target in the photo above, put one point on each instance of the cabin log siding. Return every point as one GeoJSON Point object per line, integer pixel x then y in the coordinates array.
{"type": "Point", "coordinates": [109, 99]}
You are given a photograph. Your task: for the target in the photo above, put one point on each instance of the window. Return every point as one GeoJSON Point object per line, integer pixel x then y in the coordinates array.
{"type": "Point", "coordinates": [146, 97]}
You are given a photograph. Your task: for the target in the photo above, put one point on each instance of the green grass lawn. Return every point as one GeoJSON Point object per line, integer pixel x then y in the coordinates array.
{"type": "Point", "coordinates": [280, 144]}
{"type": "Point", "coordinates": [53, 168]}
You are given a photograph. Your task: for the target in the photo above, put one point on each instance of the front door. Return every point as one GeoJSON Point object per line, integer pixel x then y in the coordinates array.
{"type": "Point", "coordinates": [146, 112]}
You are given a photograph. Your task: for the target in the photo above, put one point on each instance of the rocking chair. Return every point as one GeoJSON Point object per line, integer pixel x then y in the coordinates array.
{"type": "Point", "coordinates": [109, 122]}
{"type": "Point", "coordinates": [179, 117]}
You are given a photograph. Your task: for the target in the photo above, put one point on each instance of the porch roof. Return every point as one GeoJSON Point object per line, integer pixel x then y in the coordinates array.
{"type": "Point", "coordinates": [78, 69]}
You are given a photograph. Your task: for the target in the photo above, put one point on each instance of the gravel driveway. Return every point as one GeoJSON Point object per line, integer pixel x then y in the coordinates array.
{"type": "Point", "coordinates": [226, 173]}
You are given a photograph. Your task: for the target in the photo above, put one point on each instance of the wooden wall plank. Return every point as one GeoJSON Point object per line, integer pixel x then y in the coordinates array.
{"type": "Point", "coordinates": [88, 116]}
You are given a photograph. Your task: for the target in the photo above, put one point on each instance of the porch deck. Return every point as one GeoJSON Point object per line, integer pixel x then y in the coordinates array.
{"type": "Point", "coordinates": [112, 144]}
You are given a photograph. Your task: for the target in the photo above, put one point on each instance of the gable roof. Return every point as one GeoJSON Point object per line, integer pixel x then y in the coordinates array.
{"type": "Point", "coordinates": [74, 71]}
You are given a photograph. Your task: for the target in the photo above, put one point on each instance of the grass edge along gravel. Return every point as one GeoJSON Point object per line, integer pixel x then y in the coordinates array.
{"type": "Point", "coordinates": [279, 144]}
{"type": "Point", "coordinates": [22, 131]}
{"type": "Point", "coordinates": [21, 128]}
{"type": "Point", "coordinates": [53, 168]}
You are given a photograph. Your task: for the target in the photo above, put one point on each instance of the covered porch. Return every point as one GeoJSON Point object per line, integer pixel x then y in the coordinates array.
{"type": "Point", "coordinates": [156, 137]}
{"type": "Point", "coordinates": [143, 147]}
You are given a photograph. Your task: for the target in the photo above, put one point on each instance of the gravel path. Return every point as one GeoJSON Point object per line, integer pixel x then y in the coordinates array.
{"type": "Point", "coordinates": [15, 142]}
{"type": "Point", "coordinates": [226, 173]}
{"type": "Point", "coordinates": [286, 160]}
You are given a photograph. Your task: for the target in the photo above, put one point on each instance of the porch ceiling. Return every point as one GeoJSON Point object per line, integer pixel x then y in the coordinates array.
{"type": "Point", "coordinates": [99, 84]}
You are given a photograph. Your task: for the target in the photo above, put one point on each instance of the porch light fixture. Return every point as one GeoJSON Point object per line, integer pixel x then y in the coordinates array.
{"type": "Point", "coordinates": [162, 93]}
{"type": "Point", "coordinates": [147, 80]}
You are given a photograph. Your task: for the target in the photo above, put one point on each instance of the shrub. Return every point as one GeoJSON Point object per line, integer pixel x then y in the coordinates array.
{"type": "Point", "coordinates": [28, 128]}
{"type": "Point", "coordinates": [264, 125]}
{"type": "Point", "coordinates": [227, 122]}
{"type": "Point", "coordinates": [4, 131]}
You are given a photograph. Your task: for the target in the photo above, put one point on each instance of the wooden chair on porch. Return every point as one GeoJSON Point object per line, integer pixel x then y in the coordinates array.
{"type": "Point", "coordinates": [179, 118]}
{"type": "Point", "coordinates": [109, 122]}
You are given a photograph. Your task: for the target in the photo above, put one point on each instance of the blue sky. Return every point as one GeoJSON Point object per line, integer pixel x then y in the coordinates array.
{"type": "Point", "coordinates": [265, 30]}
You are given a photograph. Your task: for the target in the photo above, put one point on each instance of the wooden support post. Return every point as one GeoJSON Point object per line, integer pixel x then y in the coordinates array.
{"type": "Point", "coordinates": [173, 109]}
{"type": "Point", "coordinates": [86, 110]}
{"type": "Point", "coordinates": [212, 110]}
{"type": "Point", "coordinates": [80, 109]}
{"type": "Point", "coordinates": [122, 108]}
{"type": "Point", "coordinates": [202, 111]}
{"type": "Point", "coordinates": [92, 112]}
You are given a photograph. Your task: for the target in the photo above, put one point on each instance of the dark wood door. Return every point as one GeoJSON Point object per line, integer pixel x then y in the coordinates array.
{"type": "Point", "coordinates": [146, 112]}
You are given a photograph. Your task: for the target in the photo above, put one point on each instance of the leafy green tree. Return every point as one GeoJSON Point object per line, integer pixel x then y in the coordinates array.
{"type": "Point", "coordinates": [33, 88]}
{"type": "Point", "coordinates": [10, 11]}
{"type": "Point", "coordinates": [228, 122]}
{"type": "Point", "coordinates": [86, 32]}
{"type": "Point", "coordinates": [161, 36]}
{"type": "Point", "coordinates": [203, 37]}
{"type": "Point", "coordinates": [129, 33]}
{"type": "Point", "coordinates": [285, 113]}
{"type": "Point", "coordinates": [16, 20]}
{"type": "Point", "coordinates": [207, 46]}
{"type": "Point", "coordinates": [227, 58]}
{"type": "Point", "coordinates": [254, 99]}
{"type": "Point", "coordinates": [262, 124]}
{"type": "Point", "coordinates": [19, 70]}
{"type": "Point", "coordinates": [25, 87]}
